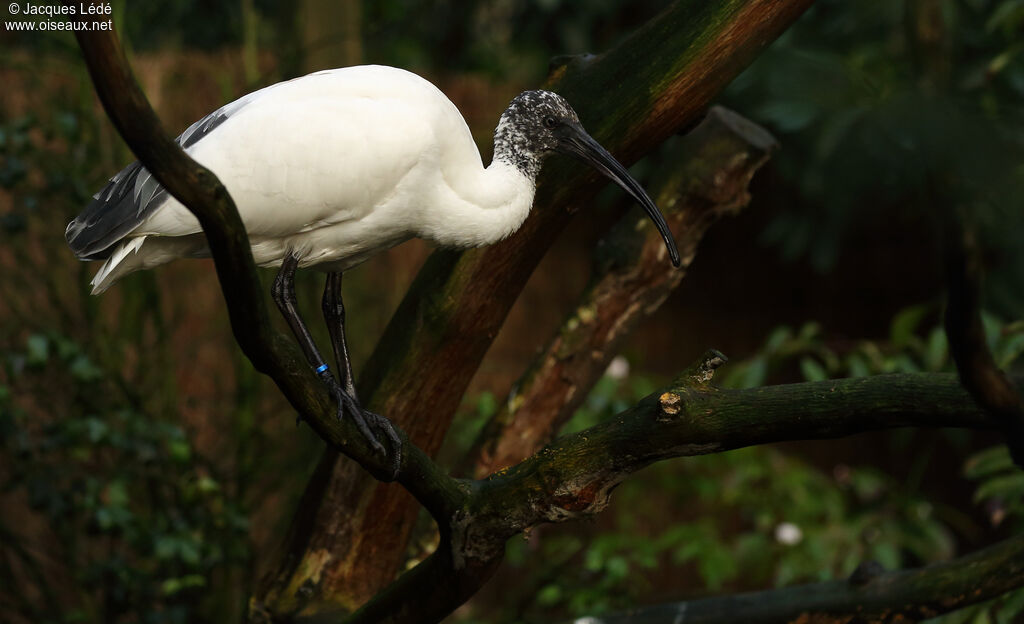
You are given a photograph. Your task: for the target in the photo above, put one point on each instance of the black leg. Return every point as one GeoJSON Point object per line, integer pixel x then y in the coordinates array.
{"type": "Point", "coordinates": [334, 316]}
{"type": "Point", "coordinates": [283, 293]}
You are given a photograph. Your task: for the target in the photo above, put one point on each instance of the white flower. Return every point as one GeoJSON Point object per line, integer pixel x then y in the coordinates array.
{"type": "Point", "coordinates": [788, 533]}
{"type": "Point", "coordinates": [618, 368]}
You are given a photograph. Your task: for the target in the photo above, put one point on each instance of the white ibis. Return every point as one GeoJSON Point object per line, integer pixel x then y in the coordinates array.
{"type": "Point", "coordinates": [331, 168]}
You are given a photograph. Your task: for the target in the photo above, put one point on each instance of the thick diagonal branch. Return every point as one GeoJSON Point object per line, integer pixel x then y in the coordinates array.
{"type": "Point", "coordinates": [631, 98]}
{"type": "Point", "coordinates": [711, 170]}
{"type": "Point", "coordinates": [902, 596]}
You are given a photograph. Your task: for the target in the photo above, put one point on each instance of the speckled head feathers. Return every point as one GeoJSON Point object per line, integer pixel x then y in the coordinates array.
{"type": "Point", "coordinates": [530, 128]}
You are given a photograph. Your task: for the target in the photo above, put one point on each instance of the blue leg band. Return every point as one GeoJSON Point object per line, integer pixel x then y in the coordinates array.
{"type": "Point", "coordinates": [321, 368]}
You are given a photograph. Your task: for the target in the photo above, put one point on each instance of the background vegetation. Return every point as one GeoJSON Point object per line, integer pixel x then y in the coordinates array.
{"type": "Point", "coordinates": [147, 473]}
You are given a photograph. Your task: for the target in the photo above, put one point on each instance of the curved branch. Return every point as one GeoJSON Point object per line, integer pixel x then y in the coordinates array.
{"type": "Point", "coordinates": [906, 595]}
{"type": "Point", "coordinates": [989, 386]}
{"type": "Point", "coordinates": [272, 353]}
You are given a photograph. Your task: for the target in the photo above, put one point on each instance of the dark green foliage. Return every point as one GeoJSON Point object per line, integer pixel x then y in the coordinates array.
{"type": "Point", "coordinates": [111, 512]}
{"type": "Point", "coordinates": [761, 517]}
{"type": "Point", "coordinates": [915, 345]}
{"type": "Point", "coordinates": [1001, 491]}
{"type": "Point", "coordinates": [502, 39]}
{"type": "Point", "coordinates": [896, 117]}
{"type": "Point", "coordinates": [139, 521]}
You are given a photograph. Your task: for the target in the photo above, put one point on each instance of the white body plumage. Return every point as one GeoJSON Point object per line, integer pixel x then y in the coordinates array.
{"type": "Point", "coordinates": [334, 167]}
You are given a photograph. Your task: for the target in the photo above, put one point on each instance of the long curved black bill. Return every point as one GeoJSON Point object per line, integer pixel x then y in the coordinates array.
{"type": "Point", "coordinates": [581, 145]}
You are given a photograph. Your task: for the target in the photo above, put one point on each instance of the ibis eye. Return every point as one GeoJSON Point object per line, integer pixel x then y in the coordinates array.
{"type": "Point", "coordinates": [550, 122]}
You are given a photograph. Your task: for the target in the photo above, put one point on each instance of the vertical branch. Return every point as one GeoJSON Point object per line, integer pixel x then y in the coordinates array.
{"type": "Point", "coordinates": [988, 385]}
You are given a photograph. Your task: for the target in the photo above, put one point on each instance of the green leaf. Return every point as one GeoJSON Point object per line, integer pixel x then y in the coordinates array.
{"type": "Point", "coordinates": [117, 494]}
{"type": "Point", "coordinates": [686, 552]}
{"type": "Point", "coordinates": [717, 566]}
{"type": "Point", "coordinates": [96, 429]}
{"type": "Point", "coordinates": [1009, 486]}
{"type": "Point", "coordinates": [812, 370]}
{"type": "Point", "coordinates": [486, 405]}
{"type": "Point", "coordinates": [902, 330]}
{"type": "Point", "coordinates": [549, 595]}
{"type": "Point", "coordinates": [207, 485]}
{"type": "Point", "coordinates": [1009, 14]}
{"type": "Point", "coordinates": [179, 450]}
{"type": "Point", "coordinates": [174, 585]}
{"type": "Point", "coordinates": [37, 349]}
{"type": "Point", "coordinates": [991, 460]}
{"type": "Point", "coordinates": [1012, 607]}
{"type": "Point", "coordinates": [856, 365]}
{"type": "Point", "coordinates": [936, 350]}
{"type": "Point", "coordinates": [617, 567]}
{"type": "Point", "coordinates": [83, 369]}
{"type": "Point", "coordinates": [1009, 350]}
{"type": "Point", "coordinates": [778, 337]}
{"type": "Point", "coordinates": [888, 555]}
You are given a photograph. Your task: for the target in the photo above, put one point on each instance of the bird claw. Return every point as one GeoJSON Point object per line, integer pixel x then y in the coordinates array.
{"type": "Point", "coordinates": [365, 419]}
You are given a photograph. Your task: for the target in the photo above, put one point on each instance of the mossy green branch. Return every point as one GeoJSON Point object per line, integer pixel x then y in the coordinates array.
{"type": "Point", "coordinates": [574, 475]}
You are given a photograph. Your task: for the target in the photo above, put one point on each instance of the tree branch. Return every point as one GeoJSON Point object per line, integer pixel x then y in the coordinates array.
{"type": "Point", "coordinates": [574, 476]}
{"type": "Point", "coordinates": [906, 595]}
{"type": "Point", "coordinates": [271, 352]}
{"type": "Point", "coordinates": [989, 386]}
{"type": "Point", "coordinates": [717, 161]}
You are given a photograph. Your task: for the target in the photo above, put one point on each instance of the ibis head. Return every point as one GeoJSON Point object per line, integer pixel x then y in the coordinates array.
{"type": "Point", "coordinates": [537, 123]}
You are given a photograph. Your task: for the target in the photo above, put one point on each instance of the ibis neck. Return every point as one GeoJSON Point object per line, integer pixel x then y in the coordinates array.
{"type": "Point", "coordinates": [512, 147]}
{"type": "Point", "coordinates": [479, 207]}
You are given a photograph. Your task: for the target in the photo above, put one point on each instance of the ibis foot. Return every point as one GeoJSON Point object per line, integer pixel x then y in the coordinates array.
{"type": "Point", "coordinates": [366, 421]}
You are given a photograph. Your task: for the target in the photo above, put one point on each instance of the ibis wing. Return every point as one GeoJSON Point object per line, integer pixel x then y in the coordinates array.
{"type": "Point", "coordinates": [325, 149]}
{"type": "Point", "coordinates": [133, 194]}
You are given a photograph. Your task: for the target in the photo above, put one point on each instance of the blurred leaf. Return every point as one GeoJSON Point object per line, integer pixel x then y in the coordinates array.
{"type": "Point", "coordinates": [991, 460]}
{"type": "Point", "coordinates": [37, 349]}
{"type": "Point", "coordinates": [1006, 486]}
{"type": "Point", "coordinates": [812, 371]}
{"type": "Point", "coordinates": [904, 325]}
{"type": "Point", "coordinates": [174, 585]}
